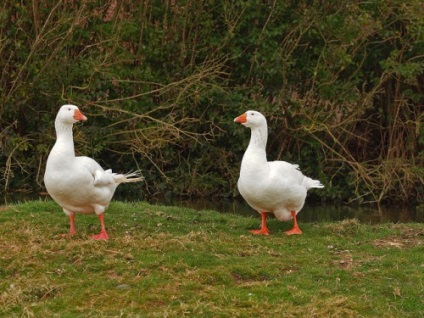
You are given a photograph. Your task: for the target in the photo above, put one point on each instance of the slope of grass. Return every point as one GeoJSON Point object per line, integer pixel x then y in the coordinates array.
{"type": "Point", "coordinates": [172, 262]}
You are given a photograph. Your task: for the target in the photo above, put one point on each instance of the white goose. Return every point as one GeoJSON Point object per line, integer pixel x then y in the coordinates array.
{"type": "Point", "coordinates": [79, 184]}
{"type": "Point", "coordinates": [270, 186]}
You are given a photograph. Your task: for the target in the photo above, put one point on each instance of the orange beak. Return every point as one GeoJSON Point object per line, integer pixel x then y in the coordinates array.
{"type": "Point", "coordinates": [79, 116]}
{"type": "Point", "coordinates": [241, 119]}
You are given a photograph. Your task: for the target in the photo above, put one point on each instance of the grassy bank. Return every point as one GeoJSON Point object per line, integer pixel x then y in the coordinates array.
{"type": "Point", "coordinates": [173, 262]}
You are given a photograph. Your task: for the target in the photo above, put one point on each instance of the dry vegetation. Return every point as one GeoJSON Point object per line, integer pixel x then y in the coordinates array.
{"type": "Point", "coordinates": [341, 83]}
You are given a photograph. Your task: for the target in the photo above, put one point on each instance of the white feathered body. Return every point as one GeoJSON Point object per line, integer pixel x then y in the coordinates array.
{"type": "Point", "coordinates": [271, 186]}
{"type": "Point", "coordinates": [79, 184]}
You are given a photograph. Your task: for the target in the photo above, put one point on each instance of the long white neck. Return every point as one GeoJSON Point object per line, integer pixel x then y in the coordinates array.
{"type": "Point", "coordinates": [64, 145]}
{"type": "Point", "coordinates": [256, 151]}
{"type": "Point", "coordinates": [259, 137]}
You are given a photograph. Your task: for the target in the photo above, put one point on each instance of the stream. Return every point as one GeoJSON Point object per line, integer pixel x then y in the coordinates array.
{"type": "Point", "coordinates": [311, 212]}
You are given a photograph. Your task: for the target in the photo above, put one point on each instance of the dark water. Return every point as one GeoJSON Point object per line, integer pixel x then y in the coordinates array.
{"type": "Point", "coordinates": [310, 212]}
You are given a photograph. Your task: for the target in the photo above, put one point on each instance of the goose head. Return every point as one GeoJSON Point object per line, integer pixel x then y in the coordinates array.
{"type": "Point", "coordinates": [70, 114]}
{"type": "Point", "coordinates": [251, 119]}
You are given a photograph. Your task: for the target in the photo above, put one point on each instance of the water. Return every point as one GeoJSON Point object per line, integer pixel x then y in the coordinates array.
{"type": "Point", "coordinates": [310, 212]}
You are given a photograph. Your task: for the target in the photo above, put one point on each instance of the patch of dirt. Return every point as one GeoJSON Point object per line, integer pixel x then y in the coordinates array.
{"type": "Point", "coordinates": [407, 238]}
{"type": "Point", "coordinates": [345, 260]}
{"type": "Point", "coordinates": [398, 242]}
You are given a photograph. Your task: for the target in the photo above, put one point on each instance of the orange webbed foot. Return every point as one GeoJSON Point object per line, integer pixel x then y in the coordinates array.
{"type": "Point", "coordinates": [102, 236]}
{"type": "Point", "coordinates": [294, 231]}
{"type": "Point", "coordinates": [264, 229]}
{"type": "Point", "coordinates": [260, 232]}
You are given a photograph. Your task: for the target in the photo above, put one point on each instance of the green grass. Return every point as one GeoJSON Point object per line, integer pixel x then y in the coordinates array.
{"type": "Point", "coordinates": [173, 262]}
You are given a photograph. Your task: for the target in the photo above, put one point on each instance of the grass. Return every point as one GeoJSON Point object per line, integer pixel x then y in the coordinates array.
{"type": "Point", "coordinates": [174, 262]}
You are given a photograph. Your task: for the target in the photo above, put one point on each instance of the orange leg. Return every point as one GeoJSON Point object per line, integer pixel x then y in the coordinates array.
{"type": "Point", "coordinates": [72, 225]}
{"type": "Point", "coordinates": [264, 229]}
{"type": "Point", "coordinates": [295, 229]}
{"type": "Point", "coordinates": [102, 235]}
{"type": "Point", "coordinates": [72, 231]}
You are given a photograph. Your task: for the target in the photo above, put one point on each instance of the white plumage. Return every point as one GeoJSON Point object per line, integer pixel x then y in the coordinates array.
{"type": "Point", "coordinates": [79, 184]}
{"type": "Point", "coordinates": [270, 186]}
